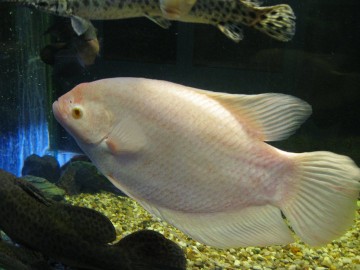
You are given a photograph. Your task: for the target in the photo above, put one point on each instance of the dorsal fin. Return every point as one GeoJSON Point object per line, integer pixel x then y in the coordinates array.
{"type": "Point", "coordinates": [269, 117]}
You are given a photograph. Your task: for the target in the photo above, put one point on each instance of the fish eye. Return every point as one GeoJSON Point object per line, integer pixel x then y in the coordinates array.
{"type": "Point", "coordinates": [76, 113]}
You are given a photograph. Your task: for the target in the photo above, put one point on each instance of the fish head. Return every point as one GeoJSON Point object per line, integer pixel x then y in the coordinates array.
{"type": "Point", "coordinates": [83, 114]}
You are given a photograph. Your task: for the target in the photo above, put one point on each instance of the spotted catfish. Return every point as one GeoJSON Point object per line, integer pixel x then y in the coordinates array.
{"type": "Point", "coordinates": [227, 15]}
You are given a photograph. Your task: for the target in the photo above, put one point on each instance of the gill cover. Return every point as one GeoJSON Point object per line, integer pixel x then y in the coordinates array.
{"type": "Point", "coordinates": [90, 123]}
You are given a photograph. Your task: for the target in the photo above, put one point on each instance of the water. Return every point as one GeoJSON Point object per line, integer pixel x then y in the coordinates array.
{"type": "Point", "coordinates": [320, 65]}
{"type": "Point", "coordinates": [31, 94]}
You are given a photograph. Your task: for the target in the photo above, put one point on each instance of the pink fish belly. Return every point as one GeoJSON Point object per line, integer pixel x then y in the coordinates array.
{"type": "Point", "coordinates": [221, 184]}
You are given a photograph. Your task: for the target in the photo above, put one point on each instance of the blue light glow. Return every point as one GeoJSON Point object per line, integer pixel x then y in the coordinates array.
{"type": "Point", "coordinates": [31, 135]}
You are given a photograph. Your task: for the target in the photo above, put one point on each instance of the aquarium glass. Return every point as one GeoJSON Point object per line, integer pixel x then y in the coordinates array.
{"type": "Point", "coordinates": [319, 65]}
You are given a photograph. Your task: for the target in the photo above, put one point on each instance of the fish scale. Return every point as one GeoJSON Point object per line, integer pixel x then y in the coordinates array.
{"type": "Point", "coordinates": [204, 11]}
{"type": "Point", "coordinates": [187, 168]}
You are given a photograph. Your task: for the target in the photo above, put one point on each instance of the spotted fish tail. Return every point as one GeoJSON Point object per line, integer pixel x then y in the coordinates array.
{"type": "Point", "coordinates": [276, 21]}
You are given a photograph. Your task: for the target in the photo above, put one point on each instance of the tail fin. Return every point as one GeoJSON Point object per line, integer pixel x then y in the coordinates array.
{"type": "Point", "coordinates": [276, 21]}
{"type": "Point", "coordinates": [323, 204]}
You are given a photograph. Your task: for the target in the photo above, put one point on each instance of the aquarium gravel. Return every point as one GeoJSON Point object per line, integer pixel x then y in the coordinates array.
{"type": "Point", "coordinates": [128, 216]}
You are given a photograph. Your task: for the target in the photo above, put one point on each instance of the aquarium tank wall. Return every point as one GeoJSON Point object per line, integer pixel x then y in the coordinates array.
{"type": "Point", "coordinates": [42, 58]}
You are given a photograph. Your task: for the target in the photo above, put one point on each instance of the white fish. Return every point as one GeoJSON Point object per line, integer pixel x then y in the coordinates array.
{"type": "Point", "coordinates": [197, 159]}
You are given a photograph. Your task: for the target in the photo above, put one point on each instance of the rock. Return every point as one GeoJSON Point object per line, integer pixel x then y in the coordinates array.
{"type": "Point", "coordinates": [198, 262]}
{"type": "Point", "coordinates": [326, 262]}
{"type": "Point", "coordinates": [46, 167]}
{"type": "Point", "coordinates": [84, 177]}
{"type": "Point", "coordinates": [77, 236]}
{"type": "Point", "coordinates": [50, 191]}
{"type": "Point", "coordinates": [346, 260]}
{"type": "Point", "coordinates": [79, 157]}
{"type": "Point", "coordinates": [246, 265]}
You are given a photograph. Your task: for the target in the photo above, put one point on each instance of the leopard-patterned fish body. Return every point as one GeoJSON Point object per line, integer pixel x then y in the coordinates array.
{"type": "Point", "coordinates": [228, 16]}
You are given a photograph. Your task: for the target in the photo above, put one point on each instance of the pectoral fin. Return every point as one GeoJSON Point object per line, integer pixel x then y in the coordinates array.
{"type": "Point", "coordinates": [164, 23]}
{"type": "Point", "coordinates": [80, 25]}
{"type": "Point", "coordinates": [127, 137]}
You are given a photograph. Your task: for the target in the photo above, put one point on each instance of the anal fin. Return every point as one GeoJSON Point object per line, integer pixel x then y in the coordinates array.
{"type": "Point", "coordinates": [252, 226]}
{"type": "Point", "coordinates": [232, 31]}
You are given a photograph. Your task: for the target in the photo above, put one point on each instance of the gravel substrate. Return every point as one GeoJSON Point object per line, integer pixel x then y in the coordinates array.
{"type": "Point", "coordinates": [128, 216]}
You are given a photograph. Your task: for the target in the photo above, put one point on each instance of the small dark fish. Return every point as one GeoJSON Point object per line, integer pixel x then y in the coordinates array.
{"type": "Point", "coordinates": [228, 16]}
{"type": "Point", "coordinates": [78, 236]}
{"type": "Point", "coordinates": [84, 48]}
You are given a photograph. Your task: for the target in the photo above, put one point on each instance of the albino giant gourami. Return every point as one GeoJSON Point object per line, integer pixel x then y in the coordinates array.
{"type": "Point", "coordinates": [197, 159]}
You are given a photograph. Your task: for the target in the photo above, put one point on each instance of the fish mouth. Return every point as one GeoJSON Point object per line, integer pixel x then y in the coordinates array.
{"type": "Point", "coordinates": [58, 112]}
{"type": "Point", "coordinates": [55, 109]}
